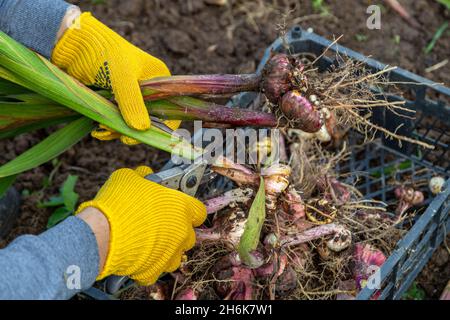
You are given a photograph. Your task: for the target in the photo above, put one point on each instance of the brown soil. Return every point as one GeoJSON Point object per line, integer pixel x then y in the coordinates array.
{"type": "Point", "coordinates": [192, 37]}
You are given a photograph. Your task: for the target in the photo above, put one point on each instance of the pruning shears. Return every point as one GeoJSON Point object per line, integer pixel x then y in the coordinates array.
{"type": "Point", "coordinates": [186, 178]}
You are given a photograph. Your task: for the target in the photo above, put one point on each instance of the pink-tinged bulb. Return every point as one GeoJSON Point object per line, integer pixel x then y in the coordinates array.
{"type": "Point", "coordinates": [298, 109]}
{"type": "Point", "coordinates": [366, 258]}
{"type": "Point", "coordinates": [294, 204]}
{"type": "Point", "coordinates": [335, 191]}
{"type": "Point", "coordinates": [277, 77]}
{"type": "Point", "coordinates": [275, 267]}
{"type": "Point", "coordinates": [368, 255]}
{"type": "Point", "coordinates": [241, 281]}
{"type": "Point", "coordinates": [187, 294]}
{"type": "Point", "coordinates": [408, 197]}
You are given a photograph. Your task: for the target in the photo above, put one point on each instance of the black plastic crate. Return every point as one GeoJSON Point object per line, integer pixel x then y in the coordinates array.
{"type": "Point", "coordinates": [431, 125]}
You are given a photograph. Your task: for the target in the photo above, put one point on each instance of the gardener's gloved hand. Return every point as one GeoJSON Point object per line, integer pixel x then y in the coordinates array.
{"type": "Point", "coordinates": [150, 226]}
{"type": "Point", "coordinates": [96, 55]}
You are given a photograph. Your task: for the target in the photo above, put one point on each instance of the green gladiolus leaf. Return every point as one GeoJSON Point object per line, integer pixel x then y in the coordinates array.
{"type": "Point", "coordinates": [49, 148]}
{"type": "Point", "coordinates": [252, 232]}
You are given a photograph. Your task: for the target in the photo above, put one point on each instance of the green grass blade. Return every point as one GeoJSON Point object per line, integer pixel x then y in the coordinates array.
{"type": "Point", "coordinates": [436, 37]}
{"type": "Point", "coordinates": [49, 148]}
{"type": "Point", "coordinates": [39, 75]}
{"type": "Point", "coordinates": [252, 232]}
{"type": "Point", "coordinates": [10, 133]}
{"type": "Point", "coordinates": [5, 183]}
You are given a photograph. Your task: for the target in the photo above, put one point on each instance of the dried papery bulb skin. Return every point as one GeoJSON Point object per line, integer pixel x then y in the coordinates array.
{"type": "Point", "coordinates": [323, 250]}
{"type": "Point", "coordinates": [301, 112]}
{"type": "Point", "coordinates": [276, 180]}
{"type": "Point", "coordinates": [277, 77]}
{"type": "Point", "coordinates": [233, 232]}
{"type": "Point", "coordinates": [321, 211]}
{"type": "Point", "coordinates": [340, 191]}
{"type": "Point", "coordinates": [333, 129]}
{"type": "Point", "coordinates": [227, 228]}
{"type": "Point", "coordinates": [271, 240]}
{"type": "Point", "coordinates": [436, 185]}
{"type": "Point", "coordinates": [340, 241]}
{"type": "Point", "coordinates": [418, 198]}
{"type": "Point", "coordinates": [276, 169]}
{"type": "Point", "coordinates": [239, 176]}
{"type": "Point", "coordinates": [323, 135]}
{"type": "Point", "coordinates": [294, 204]}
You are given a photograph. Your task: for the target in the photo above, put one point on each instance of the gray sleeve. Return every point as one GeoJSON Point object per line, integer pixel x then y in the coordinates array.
{"type": "Point", "coordinates": [54, 265]}
{"type": "Point", "coordinates": [34, 23]}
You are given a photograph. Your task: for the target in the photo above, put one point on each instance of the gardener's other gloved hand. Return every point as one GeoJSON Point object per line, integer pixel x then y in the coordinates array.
{"type": "Point", "coordinates": [150, 226]}
{"type": "Point", "coordinates": [96, 55]}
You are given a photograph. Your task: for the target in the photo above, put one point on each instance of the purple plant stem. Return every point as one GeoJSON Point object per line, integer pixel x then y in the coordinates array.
{"type": "Point", "coordinates": [214, 84]}
{"type": "Point", "coordinates": [310, 234]}
{"type": "Point", "coordinates": [188, 108]}
{"type": "Point", "coordinates": [207, 234]}
{"type": "Point", "coordinates": [236, 195]}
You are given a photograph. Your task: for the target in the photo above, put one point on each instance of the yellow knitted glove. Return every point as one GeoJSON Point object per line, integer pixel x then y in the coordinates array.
{"type": "Point", "coordinates": [96, 55]}
{"type": "Point", "coordinates": [106, 134]}
{"type": "Point", "coordinates": [150, 226]}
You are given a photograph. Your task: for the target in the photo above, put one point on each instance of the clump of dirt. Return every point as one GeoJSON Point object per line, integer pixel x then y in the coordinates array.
{"type": "Point", "coordinates": [436, 273]}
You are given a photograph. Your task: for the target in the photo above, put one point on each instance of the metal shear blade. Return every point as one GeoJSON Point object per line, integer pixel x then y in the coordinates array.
{"type": "Point", "coordinates": [185, 178]}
